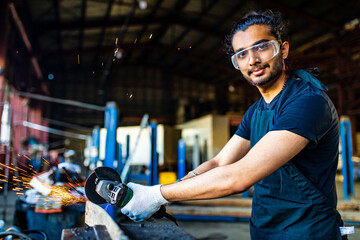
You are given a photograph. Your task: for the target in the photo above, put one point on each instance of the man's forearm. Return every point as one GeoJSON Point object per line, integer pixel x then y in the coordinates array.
{"type": "Point", "coordinates": [269, 154]}
{"type": "Point", "coordinates": [204, 167]}
{"type": "Point", "coordinates": [203, 186]}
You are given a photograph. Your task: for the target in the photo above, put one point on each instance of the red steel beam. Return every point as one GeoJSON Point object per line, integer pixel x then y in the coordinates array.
{"type": "Point", "coordinates": [4, 13]}
{"type": "Point", "coordinates": [26, 40]}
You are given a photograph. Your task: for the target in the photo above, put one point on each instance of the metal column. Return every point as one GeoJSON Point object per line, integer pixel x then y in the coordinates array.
{"type": "Point", "coordinates": [111, 122]}
{"type": "Point", "coordinates": [196, 153]}
{"type": "Point", "coordinates": [127, 154]}
{"type": "Point", "coordinates": [122, 160]}
{"type": "Point", "coordinates": [346, 153]}
{"type": "Point", "coordinates": [153, 167]}
{"type": "Point", "coordinates": [120, 163]}
{"type": "Point", "coordinates": [181, 159]}
{"type": "Point", "coordinates": [4, 18]}
{"type": "Point", "coordinates": [5, 140]}
{"type": "Point", "coordinates": [96, 145]}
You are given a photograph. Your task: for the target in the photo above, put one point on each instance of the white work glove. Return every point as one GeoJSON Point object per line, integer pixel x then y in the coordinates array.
{"type": "Point", "coordinates": [146, 201]}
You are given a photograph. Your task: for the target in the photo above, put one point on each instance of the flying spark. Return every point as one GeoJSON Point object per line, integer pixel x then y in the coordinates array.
{"type": "Point", "coordinates": [22, 174]}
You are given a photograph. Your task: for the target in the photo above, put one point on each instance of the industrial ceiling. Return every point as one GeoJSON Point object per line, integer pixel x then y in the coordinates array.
{"type": "Point", "coordinates": [167, 59]}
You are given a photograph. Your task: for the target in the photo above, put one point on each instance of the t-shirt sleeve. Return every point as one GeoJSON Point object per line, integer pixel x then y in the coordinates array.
{"type": "Point", "coordinates": [244, 128]}
{"type": "Point", "coordinates": [307, 115]}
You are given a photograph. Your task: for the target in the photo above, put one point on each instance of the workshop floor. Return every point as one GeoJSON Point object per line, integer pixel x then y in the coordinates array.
{"type": "Point", "coordinates": [223, 230]}
{"type": "Point", "coordinates": [209, 230]}
{"type": "Point", "coordinates": [200, 230]}
{"type": "Point", "coordinates": [217, 230]}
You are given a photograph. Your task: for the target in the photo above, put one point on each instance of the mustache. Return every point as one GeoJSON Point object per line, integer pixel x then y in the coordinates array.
{"type": "Point", "coordinates": [262, 66]}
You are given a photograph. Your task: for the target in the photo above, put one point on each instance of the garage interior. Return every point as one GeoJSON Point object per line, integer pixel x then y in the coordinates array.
{"type": "Point", "coordinates": [64, 62]}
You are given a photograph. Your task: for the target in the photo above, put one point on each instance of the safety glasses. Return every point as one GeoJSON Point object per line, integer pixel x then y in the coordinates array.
{"type": "Point", "coordinates": [261, 52]}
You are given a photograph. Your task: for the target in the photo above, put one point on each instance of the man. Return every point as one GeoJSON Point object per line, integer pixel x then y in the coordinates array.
{"type": "Point", "coordinates": [286, 145]}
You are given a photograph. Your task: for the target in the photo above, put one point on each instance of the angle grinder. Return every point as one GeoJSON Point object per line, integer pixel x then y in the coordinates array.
{"type": "Point", "coordinates": [104, 185]}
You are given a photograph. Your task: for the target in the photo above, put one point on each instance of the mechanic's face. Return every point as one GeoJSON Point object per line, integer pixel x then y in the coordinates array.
{"type": "Point", "coordinates": [260, 73]}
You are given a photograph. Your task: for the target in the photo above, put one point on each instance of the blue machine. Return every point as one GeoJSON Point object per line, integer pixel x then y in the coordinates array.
{"type": "Point", "coordinates": [151, 178]}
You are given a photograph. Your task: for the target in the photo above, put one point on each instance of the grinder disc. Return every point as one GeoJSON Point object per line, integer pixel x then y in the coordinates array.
{"type": "Point", "coordinates": [101, 173]}
{"type": "Point", "coordinates": [107, 173]}
{"type": "Point", "coordinates": [90, 190]}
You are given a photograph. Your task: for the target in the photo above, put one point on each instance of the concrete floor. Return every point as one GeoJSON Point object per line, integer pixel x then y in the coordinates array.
{"type": "Point", "coordinates": [208, 230]}
{"type": "Point", "coordinates": [228, 231]}
{"type": "Point", "coordinates": [222, 230]}
{"type": "Point", "coordinates": [217, 230]}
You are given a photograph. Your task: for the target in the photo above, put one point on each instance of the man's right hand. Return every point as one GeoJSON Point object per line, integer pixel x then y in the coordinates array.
{"type": "Point", "coordinates": [146, 201]}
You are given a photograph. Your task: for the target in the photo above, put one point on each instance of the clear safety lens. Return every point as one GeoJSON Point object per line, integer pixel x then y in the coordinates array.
{"type": "Point", "coordinates": [261, 52]}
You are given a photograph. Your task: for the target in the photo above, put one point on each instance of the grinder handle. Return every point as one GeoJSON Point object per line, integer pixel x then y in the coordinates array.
{"type": "Point", "coordinates": [126, 197]}
{"type": "Point", "coordinates": [160, 213]}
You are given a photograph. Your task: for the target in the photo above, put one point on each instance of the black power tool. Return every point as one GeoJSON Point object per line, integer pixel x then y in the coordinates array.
{"type": "Point", "coordinates": [104, 185]}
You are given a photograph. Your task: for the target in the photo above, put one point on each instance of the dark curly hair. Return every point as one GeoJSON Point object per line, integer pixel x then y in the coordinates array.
{"type": "Point", "coordinates": [278, 26]}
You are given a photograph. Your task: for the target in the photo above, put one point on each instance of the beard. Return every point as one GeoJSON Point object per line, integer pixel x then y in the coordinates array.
{"type": "Point", "coordinates": [273, 75]}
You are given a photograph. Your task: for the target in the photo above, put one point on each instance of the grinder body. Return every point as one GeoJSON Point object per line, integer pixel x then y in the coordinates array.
{"type": "Point", "coordinates": [114, 193]}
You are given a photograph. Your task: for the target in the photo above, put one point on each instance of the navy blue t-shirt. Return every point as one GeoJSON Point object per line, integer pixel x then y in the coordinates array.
{"type": "Point", "coordinates": [307, 111]}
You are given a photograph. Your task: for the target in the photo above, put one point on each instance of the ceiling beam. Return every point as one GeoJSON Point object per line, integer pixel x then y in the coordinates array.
{"type": "Point", "coordinates": [220, 22]}
{"type": "Point", "coordinates": [296, 13]}
{"type": "Point", "coordinates": [204, 11]}
{"type": "Point", "coordinates": [187, 55]}
{"type": "Point", "coordinates": [173, 13]}
{"type": "Point", "coordinates": [195, 74]}
{"type": "Point", "coordinates": [81, 34]}
{"type": "Point", "coordinates": [57, 21]}
{"type": "Point", "coordinates": [45, 27]}
{"type": "Point", "coordinates": [59, 42]}
{"type": "Point", "coordinates": [149, 19]}
{"type": "Point", "coordinates": [26, 41]}
{"type": "Point", "coordinates": [110, 58]}
{"type": "Point", "coordinates": [104, 22]}
{"type": "Point", "coordinates": [150, 16]}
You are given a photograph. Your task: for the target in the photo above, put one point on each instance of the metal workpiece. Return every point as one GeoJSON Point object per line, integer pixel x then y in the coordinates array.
{"type": "Point", "coordinates": [131, 232]}
{"type": "Point", "coordinates": [159, 232]}
{"type": "Point", "coordinates": [97, 232]}
{"type": "Point", "coordinates": [95, 215]}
